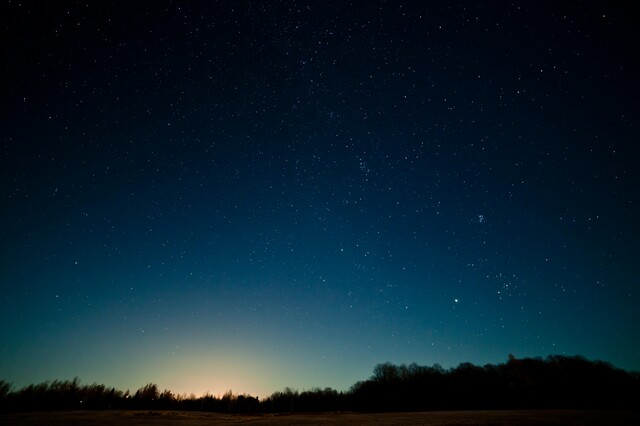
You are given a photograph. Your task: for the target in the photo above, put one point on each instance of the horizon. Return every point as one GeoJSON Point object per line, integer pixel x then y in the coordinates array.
{"type": "Point", "coordinates": [266, 195]}
{"type": "Point", "coordinates": [262, 397]}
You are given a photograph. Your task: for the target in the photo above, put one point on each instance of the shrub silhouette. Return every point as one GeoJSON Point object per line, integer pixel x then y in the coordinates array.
{"type": "Point", "coordinates": [529, 383]}
{"type": "Point", "coordinates": [557, 382]}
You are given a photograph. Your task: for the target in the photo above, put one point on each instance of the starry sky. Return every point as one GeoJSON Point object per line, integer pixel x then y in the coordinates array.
{"type": "Point", "coordinates": [250, 195]}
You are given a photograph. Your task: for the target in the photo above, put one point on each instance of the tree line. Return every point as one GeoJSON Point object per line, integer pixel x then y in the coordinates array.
{"type": "Point", "coordinates": [529, 383]}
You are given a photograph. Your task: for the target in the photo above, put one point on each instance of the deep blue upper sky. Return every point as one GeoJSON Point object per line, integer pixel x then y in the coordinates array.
{"type": "Point", "coordinates": [252, 195]}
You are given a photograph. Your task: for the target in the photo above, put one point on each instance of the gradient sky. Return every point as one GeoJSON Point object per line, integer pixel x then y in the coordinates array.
{"type": "Point", "coordinates": [252, 195]}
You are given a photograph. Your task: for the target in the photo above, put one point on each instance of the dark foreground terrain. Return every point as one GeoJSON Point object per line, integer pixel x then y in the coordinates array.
{"type": "Point", "coordinates": [440, 418]}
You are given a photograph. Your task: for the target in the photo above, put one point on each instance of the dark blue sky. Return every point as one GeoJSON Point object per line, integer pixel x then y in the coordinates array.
{"type": "Point", "coordinates": [252, 195]}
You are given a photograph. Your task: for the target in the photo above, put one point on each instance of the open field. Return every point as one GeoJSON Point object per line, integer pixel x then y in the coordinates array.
{"type": "Point", "coordinates": [440, 418]}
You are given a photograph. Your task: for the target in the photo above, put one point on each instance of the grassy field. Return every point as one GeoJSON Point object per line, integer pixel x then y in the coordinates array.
{"type": "Point", "coordinates": [440, 418]}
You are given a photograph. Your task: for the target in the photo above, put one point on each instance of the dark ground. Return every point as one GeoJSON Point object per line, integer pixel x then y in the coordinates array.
{"type": "Point", "coordinates": [441, 418]}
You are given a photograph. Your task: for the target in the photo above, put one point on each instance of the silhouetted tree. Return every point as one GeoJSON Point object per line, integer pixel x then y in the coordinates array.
{"type": "Point", "coordinates": [5, 390]}
{"type": "Point", "coordinates": [555, 382]}
{"type": "Point", "coordinates": [146, 397]}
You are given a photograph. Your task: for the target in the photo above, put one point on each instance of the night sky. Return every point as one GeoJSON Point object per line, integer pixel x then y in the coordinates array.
{"type": "Point", "coordinates": [252, 195]}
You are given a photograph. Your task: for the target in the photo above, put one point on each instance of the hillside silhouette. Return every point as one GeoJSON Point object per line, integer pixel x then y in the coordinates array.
{"type": "Point", "coordinates": [556, 382]}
